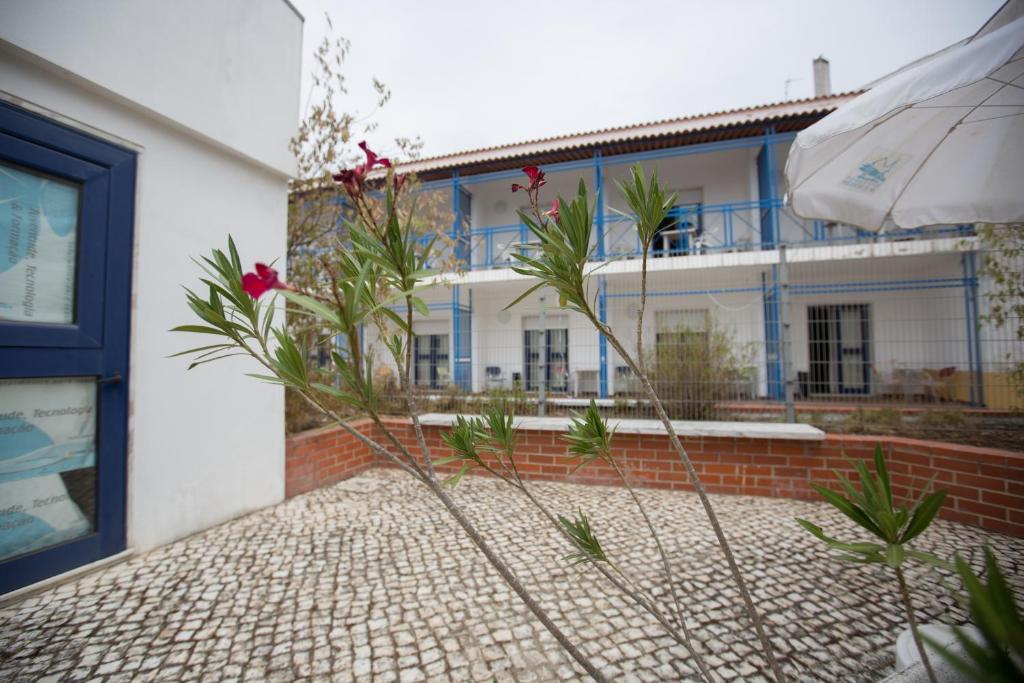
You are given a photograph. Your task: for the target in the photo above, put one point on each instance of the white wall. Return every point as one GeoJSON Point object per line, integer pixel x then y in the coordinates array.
{"type": "Point", "coordinates": [228, 70]}
{"type": "Point", "coordinates": [910, 329]}
{"type": "Point", "coordinates": [712, 178]}
{"type": "Point", "coordinates": [498, 334]}
{"type": "Point", "coordinates": [205, 445]}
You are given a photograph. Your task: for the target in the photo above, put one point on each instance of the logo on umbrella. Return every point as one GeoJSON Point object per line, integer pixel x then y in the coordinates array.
{"type": "Point", "coordinates": [872, 173]}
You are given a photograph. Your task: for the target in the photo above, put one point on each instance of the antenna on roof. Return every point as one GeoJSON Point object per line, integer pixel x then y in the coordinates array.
{"type": "Point", "coordinates": [786, 89]}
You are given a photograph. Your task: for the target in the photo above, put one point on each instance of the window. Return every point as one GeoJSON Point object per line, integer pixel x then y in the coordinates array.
{"type": "Point", "coordinates": [678, 330]}
{"type": "Point", "coordinates": [430, 353]}
{"type": "Point", "coordinates": [553, 346]}
{"type": "Point", "coordinates": [680, 232]}
{"type": "Point", "coordinates": [840, 348]}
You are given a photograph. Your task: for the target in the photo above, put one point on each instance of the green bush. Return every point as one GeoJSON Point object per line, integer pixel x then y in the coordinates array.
{"type": "Point", "coordinates": [695, 370]}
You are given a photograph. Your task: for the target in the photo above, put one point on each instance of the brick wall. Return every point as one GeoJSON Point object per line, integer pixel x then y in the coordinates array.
{"type": "Point", "coordinates": [321, 457]}
{"type": "Point", "coordinates": [986, 486]}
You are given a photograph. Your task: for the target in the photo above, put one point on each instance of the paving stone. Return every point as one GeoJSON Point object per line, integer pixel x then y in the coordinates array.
{"type": "Point", "coordinates": [370, 580]}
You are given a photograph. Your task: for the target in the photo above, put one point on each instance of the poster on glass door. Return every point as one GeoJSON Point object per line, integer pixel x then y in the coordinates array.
{"type": "Point", "coordinates": [47, 462]}
{"type": "Point", "coordinates": [38, 221]}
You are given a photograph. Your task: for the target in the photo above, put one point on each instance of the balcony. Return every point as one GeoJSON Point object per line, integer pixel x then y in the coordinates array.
{"type": "Point", "coordinates": [699, 229]}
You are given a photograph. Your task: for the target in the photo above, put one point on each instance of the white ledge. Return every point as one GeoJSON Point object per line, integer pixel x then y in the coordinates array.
{"type": "Point", "coordinates": [753, 257]}
{"type": "Point", "coordinates": [684, 428]}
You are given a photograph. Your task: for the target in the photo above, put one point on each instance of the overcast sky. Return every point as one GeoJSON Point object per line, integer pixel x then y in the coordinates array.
{"type": "Point", "coordinates": [467, 74]}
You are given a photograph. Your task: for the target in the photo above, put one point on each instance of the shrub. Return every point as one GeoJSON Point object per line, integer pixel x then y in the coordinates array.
{"type": "Point", "coordinates": [694, 370]}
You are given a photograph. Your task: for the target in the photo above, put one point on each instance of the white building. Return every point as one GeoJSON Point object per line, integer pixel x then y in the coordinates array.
{"type": "Point", "coordinates": [133, 136]}
{"type": "Point", "coordinates": [843, 314]}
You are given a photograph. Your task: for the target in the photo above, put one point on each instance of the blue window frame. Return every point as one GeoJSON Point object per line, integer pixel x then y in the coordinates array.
{"type": "Point", "coordinates": [94, 346]}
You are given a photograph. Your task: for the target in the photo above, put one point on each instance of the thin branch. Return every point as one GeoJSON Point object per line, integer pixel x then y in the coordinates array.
{"type": "Point", "coordinates": [909, 607]}
{"type": "Point", "coordinates": [669, 577]}
{"type": "Point", "coordinates": [698, 486]}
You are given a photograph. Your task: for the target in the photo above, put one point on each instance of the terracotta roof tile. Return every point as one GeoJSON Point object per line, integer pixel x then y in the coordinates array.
{"type": "Point", "coordinates": [560, 147]}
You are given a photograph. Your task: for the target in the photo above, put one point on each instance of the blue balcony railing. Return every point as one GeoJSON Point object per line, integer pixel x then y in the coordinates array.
{"type": "Point", "coordinates": [698, 229]}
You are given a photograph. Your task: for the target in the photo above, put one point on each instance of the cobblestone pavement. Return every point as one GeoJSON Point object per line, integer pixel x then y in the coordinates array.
{"type": "Point", "coordinates": [369, 580]}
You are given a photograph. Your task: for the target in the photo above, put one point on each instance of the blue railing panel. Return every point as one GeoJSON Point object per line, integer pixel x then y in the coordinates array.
{"type": "Point", "coordinates": [701, 229]}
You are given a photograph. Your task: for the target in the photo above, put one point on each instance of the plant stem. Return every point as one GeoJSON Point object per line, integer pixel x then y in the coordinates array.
{"type": "Point", "coordinates": [909, 607]}
{"type": "Point", "coordinates": [683, 639]}
{"type": "Point", "coordinates": [430, 480]}
{"type": "Point", "coordinates": [640, 313]}
{"type": "Point", "coordinates": [698, 487]}
{"type": "Point", "coordinates": [499, 565]}
{"type": "Point", "coordinates": [513, 582]}
{"type": "Point", "coordinates": [664, 563]}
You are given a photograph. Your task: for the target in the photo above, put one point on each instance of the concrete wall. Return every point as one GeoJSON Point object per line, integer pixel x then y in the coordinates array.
{"type": "Point", "coordinates": [207, 94]}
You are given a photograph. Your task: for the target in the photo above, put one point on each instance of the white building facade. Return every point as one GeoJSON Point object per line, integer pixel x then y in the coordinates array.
{"type": "Point", "coordinates": [768, 305]}
{"type": "Point", "coordinates": [133, 137]}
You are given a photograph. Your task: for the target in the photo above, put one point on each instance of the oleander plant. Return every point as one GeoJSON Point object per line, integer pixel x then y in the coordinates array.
{"type": "Point", "coordinates": [375, 276]}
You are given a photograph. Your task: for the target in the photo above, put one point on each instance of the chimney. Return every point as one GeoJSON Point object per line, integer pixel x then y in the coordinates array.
{"type": "Point", "coordinates": [822, 79]}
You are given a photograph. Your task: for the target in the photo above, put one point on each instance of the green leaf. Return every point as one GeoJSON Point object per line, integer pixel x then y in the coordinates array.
{"type": "Point", "coordinates": [849, 509]}
{"type": "Point", "coordinates": [454, 480]}
{"type": "Point", "coordinates": [583, 538]}
{"type": "Point", "coordinates": [198, 329]}
{"type": "Point", "coordinates": [930, 559]}
{"type": "Point", "coordinates": [525, 294]}
{"type": "Point", "coordinates": [837, 544]}
{"type": "Point", "coordinates": [266, 378]}
{"type": "Point", "coordinates": [326, 313]}
{"type": "Point", "coordinates": [200, 349]}
{"type": "Point", "coordinates": [420, 306]}
{"type": "Point", "coordinates": [923, 515]}
{"type": "Point", "coordinates": [883, 475]}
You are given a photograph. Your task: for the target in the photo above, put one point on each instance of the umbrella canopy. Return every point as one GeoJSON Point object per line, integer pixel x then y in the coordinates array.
{"type": "Point", "coordinates": [939, 142]}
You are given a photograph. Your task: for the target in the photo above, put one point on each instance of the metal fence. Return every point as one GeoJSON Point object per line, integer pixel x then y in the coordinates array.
{"type": "Point", "coordinates": [768, 335]}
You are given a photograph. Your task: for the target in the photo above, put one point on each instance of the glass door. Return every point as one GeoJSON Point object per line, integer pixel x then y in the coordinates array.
{"type": "Point", "coordinates": [431, 356]}
{"type": "Point", "coordinates": [554, 345]}
{"type": "Point", "coordinates": [65, 279]}
{"type": "Point", "coordinates": [839, 339]}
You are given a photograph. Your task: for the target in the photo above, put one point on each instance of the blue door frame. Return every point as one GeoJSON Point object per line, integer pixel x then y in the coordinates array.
{"type": "Point", "coordinates": [96, 344]}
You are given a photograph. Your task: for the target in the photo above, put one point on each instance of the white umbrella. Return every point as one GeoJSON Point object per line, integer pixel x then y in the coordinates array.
{"type": "Point", "coordinates": [939, 142]}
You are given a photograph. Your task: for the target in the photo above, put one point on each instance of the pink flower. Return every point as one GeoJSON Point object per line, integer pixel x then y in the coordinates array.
{"type": "Point", "coordinates": [553, 213]}
{"type": "Point", "coordinates": [353, 179]}
{"type": "Point", "coordinates": [372, 159]}
{"type": "Point", "coordinates": [536, 177]}
{"type": "Point", "coordinates": [263, 280]}
{"type": "Point", "coordinates": [398, 182]}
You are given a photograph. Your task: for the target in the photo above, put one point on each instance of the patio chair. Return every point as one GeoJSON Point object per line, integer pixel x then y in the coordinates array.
{"type": "Point", "coordinates": [938, 383]}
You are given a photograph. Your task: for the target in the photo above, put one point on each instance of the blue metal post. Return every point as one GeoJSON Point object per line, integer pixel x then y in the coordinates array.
{"type": "Point", "coordinates": [458, 235]}
{"type": "Point", "coordinates": [456, 342]}
{"type": "Point", "coordinates": [599, 189]}
{"type": "Point", "coordinates": [461, 346]}
{"type": "Point", "coordinates": [468, 343]}
{"type": "Point", "coordinates": [773, 357]}
{"type": "Point", "coordinates": [602, 342]}
{"type": "Point", "coordinates": [767, 192]}
{"type": "Point", "coordinates": [773, 177]}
